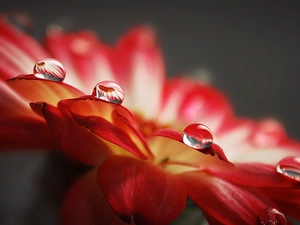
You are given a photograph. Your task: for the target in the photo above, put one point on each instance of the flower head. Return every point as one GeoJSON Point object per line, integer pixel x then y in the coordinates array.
{"type": "Point", "coordinates": [238, 171]}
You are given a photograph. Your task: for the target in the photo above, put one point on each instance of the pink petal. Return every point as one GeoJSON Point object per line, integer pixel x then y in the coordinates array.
{"type": "Point", "coordinates": [18, 52]}
{"type": "Point", "coordinates": [86, 59]}
{"type": "Point", "coordinates": [140, 66]}
{"type": "Point", "coordinates": [191, 102]}
{"type": "Point", "coordinates": [26, 133]}
{"type": "Point", "coordinates": [84, 204]}
{"type": "Point", "coordinates": [223, 201]}
{"type": "Point", "coordinates": [75, 140]}
{"type": "Point", "coordinates": [141, 191]}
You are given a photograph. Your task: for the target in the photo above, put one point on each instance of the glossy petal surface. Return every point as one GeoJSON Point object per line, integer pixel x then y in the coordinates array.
{"type": "Point", "coordinates": [141, 190]}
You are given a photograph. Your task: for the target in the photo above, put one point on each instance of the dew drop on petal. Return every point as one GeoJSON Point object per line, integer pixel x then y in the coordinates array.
{"type": "Point", "coordinates": [290, 168]}
{"type": "Point", "coordinates": [271, 216]}
{"type": "Point", "coordinates": [49, 69]}
{"type": "Point", "coordinates": [197, 136]}
{"type": "Point", "coordinates": [109, 91]}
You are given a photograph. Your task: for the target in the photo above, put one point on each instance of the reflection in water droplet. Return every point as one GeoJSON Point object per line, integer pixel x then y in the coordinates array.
{"type": "Point", "coordinates": [268, 133]}
{"type": "Point", "coordinates": [49, 69]}
{"type": "Point", "coordinates": [197, 136]}
{"type": "Point", "coordinates": [109, 91]}
{"type": "Point", "coordinates": [290, 167]}
{"type": "Point", "coordinates": [271, 216]}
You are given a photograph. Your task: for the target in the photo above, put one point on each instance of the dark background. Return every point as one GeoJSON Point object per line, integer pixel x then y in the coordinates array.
{"type": "Point", "coordinates": [251, 48]}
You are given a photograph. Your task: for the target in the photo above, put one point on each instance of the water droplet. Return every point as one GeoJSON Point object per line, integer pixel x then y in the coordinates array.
{"type": "Point", "coordinates": [290, 167]}
{"type": "Point", "coordinates": [197, 136]}
{"type": "Point", "coordinates": [271, 216]}
{"type": "Point", "coordinates": [49, 69]}
{"type": "Point", "coordinates": [109, 91]}
{"type": "Point", "coordinates": [268, 133]}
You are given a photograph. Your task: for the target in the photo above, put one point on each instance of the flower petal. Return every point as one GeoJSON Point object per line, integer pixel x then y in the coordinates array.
{"type": "Point", "coordinates": [26, 133]}
{"type": "Point", "coordinates": [34, 89]}
{"type": "Point", "coordinates": [177, 157]}
{"type": "Point", "coordinates": [287, 199]}
{"type": "Point", "coordinates": [141, 190]}
{"type": "Point", "coordinates": [141, 66]}
{"type": "Point", "coordinates": [191, 102]}
{"type": "Point", "coordinates": [12, 104]}
{"type": "Point", "coordinates": [116, 116]}
{"type": "Point", "coordinates": [223, 201]}
{"type": "Point", "coordinates": [18, 52]}
{"type": "Point", "coordinates": [86, 59]}
{"type": "Point", "coordinates": [85, 204]}
{"type": "Point", "coordinates": [255, 175]}
{"type": "Point", "coordinates": [75, 140]}
{"type": "Point", "coordinates": [214, 149]}
{"type": "Point", "coordinates": [109, 132]}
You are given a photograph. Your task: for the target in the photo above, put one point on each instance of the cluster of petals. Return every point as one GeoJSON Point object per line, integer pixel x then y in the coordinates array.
{"type": "Point", "coordinates": [142, 172]}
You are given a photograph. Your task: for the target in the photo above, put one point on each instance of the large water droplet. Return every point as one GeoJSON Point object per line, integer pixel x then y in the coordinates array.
{"type": "Point", "coordinates": [290, 167]}
{"type": "Point", "coordinates": [268, 133]}
{"type": "Point", "coordinates": [109, 91]}
{"type": "Point", "coordinates": [197, 136]}
{"type": "Point", "coordinates": [49, 69]}
{"type": "Point", "coordinates": [271, 216]}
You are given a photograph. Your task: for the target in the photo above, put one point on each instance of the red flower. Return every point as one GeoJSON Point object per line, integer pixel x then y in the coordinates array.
{"type": "Point", "coordinates": [143, 171]}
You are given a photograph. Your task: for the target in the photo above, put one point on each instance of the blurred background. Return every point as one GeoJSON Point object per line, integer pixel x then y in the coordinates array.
{"type": "Point", "coordinates": [251, 50]}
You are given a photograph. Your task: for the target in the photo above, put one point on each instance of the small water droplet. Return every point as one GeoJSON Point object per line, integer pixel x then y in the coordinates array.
{"type": "Point", "coordinates": [290, 167]}
{"type": "Point", "coordinates": [109, 91]}
{"type": "Point", "coordinates": [268, 133]}
{"type": "Point", "coordinates": [49, 69]}
{"type": "Point", "coordinates": [197, 136]}
{"type": "Point", "coordinates": [271, 216]}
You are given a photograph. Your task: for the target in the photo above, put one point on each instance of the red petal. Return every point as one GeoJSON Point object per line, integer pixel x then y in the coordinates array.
{"type": "Point", "coordinates": [12, 104]}
{"type": "Point", "coordinates": [25, 132]}
{"type": "Point", "coordinates": [85, 204]}
{"type": "Point", "coordinates": [91, 106]}
{"type": "Point", "coordinates": [141, 190]}
{"type": "Point", "coordinates": [225, 202]}
{"type": "Point", "coordinates": [191, 102]}
{"type": "Point", "coordinates": [169, 133]}
{"type": "Point", "coordinates": [140, 68]}
{"type": "Point", "coordinates": [18, 52]}
{"type": "Point", "coordinates": [287, 199]}
{"type": "Point", "coordinates": [177, 157]}
{"type": "Point", "coordinates": [117, 115]}
{"type": "Point", "coordinates": [34, 89]}
{"type": "Point", "coordinates": [74, 139]}
{"type": "Point", "coordinates": [212, 150]}
{"type": "Point", "coordinates": [253, 174]}
{"type": "Point", "coordinates": [84, 57]}
{"type": "Point", "coordinates": [109, 132]}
